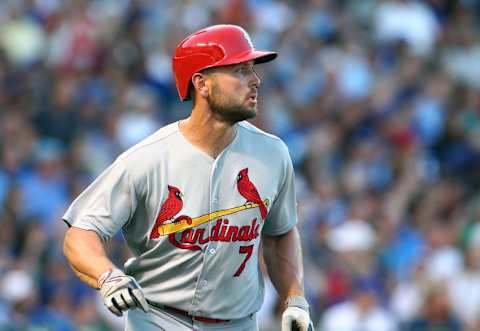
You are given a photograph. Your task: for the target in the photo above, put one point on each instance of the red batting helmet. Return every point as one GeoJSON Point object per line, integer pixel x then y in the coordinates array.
{"type": "Point", "coordinates": [215, 46]}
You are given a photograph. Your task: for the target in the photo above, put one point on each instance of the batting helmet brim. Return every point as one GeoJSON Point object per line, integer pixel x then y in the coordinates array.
{"type": "Point", "coordinates": [256, 56]}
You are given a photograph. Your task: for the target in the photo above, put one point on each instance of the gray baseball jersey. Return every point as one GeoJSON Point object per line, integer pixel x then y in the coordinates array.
{"type": "Point", "coordinates": [194, 223]}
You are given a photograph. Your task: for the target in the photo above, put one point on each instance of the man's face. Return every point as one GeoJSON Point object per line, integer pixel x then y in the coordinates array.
{"type": "Point", "coordinates": [233, 92]}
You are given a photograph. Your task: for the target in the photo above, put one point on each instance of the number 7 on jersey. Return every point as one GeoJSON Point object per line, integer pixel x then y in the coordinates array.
{"type": "Point", "coordinates": [244, 250]}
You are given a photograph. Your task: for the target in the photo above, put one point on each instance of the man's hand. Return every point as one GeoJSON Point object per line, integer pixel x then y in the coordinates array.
{"type": "Point", "coordinates": [296, 317]}
{"type": "Point", "coordinates": [121, 292]}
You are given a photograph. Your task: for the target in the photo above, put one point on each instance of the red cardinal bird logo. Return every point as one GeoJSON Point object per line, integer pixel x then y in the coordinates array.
{"type": "Point", "coordinates": [169, 209]}
{"type": "Point", "coordinates": [249, 191]}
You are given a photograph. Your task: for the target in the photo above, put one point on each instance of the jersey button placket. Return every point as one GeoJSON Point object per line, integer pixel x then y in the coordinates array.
{"type": "Point", "coordinates": [213, 203]}
{"type": "Point", "coordinates": [213, 194]}
{"type": "Point", "coordinates": [207, 249]}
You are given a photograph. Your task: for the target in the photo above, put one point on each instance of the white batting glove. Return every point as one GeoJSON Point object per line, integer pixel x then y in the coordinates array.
{"type": "Point", "coordinates": [296, 317]}
{"type": "Point", "coordinates": [121, 292]}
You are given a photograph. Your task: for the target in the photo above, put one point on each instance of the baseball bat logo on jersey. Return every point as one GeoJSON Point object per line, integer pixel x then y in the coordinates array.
{"type": "Point", "coordinates": [167, 224]}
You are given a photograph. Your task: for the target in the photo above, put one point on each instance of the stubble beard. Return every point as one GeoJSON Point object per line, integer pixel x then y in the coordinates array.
{"type": "Point", "coordinates": [228, 110]}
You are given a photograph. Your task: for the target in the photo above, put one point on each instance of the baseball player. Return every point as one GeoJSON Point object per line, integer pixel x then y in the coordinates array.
{"type": "Point", "coordinates": [194, 201]}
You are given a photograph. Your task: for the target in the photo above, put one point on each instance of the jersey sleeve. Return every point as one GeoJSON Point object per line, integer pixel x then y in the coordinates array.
{"type": "Point", "coordinates": [282, 217]}
{"type": "Point", "coordinates": [106, 205]}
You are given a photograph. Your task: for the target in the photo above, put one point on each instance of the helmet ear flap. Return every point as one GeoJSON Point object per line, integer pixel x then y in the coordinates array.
{"type": "Point", "coordinates": [189, 59]}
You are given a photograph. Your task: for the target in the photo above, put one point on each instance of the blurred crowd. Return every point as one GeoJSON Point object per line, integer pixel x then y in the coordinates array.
{"type": "Point", "coordinates": [378, 101]}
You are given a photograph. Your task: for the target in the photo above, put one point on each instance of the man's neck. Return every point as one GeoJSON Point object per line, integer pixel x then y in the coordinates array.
{"type": "Point", "coordinates": [207, 133]}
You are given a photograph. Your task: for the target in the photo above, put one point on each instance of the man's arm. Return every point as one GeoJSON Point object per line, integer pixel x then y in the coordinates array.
{"type": "Point", "coordinates": [86, 255]}
{"type": "Point", "coordinates": [90, 281]}
{"type": "Point", "coordinates": [283, 258]}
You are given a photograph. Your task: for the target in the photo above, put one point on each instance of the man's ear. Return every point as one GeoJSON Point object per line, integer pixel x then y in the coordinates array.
{"type": "Point", "coordinates": [200, 84]}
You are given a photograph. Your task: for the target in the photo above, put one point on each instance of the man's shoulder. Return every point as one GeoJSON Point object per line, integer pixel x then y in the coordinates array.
{"type": "Point", "coordinates": [250, 128]}
{"type": "Point", "coordinates": [262, 137]}
{"type": "Point", "coordinates": [266, 144]}
{"type": "Point", "coordinates": [155, 141]}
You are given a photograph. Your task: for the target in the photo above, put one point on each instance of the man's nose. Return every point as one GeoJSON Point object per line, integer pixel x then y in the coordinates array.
{"type": "Point", "coordinates": [255, 79]}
